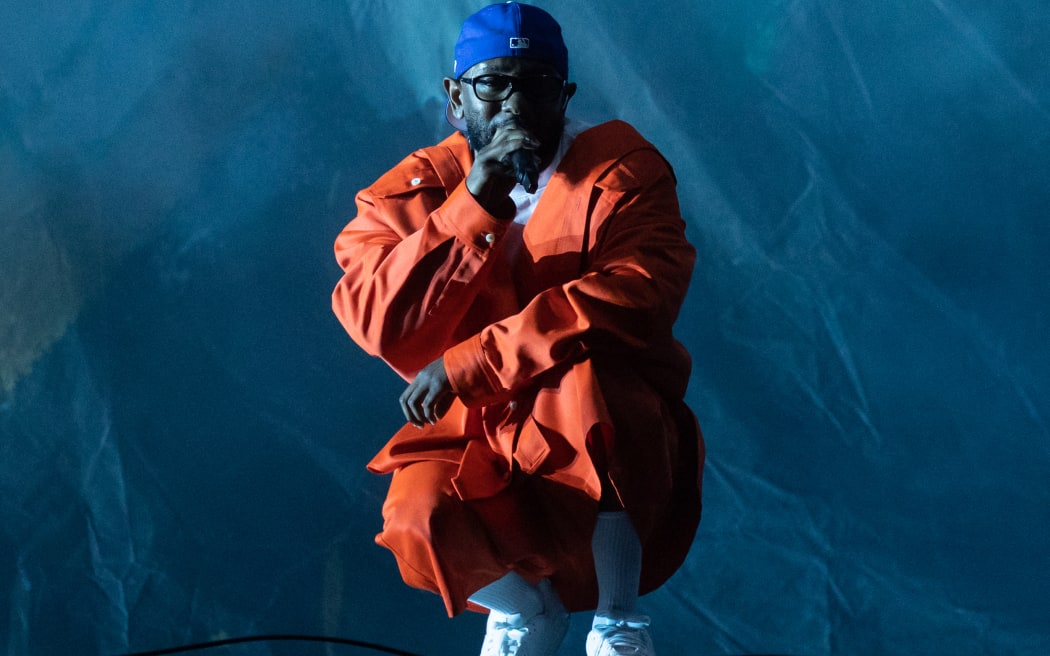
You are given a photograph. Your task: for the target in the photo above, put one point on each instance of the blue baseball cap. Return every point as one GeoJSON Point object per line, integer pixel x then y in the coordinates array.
{"type": "Point", "coordinates": [509, 29]}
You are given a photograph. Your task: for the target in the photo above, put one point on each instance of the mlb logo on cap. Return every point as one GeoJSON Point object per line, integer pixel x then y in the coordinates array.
{"type": "Point", "coordinates": [518, 42]}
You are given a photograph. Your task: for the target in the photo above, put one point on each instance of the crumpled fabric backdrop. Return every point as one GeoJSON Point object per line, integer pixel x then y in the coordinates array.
{"type": "Point", "coordinates": [184, 425]}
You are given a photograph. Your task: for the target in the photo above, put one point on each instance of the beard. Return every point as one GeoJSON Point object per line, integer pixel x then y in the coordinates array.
{"type": "Point", "coordinates": [481, 131]}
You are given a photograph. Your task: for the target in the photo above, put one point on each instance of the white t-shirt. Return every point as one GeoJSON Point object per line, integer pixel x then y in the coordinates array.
{"type": "Point", "coordinates": [525, 201]}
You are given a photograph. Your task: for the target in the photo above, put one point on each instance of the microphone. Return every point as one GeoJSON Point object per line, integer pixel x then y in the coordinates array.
{"type": "Point", "coordinates": [525, 169]}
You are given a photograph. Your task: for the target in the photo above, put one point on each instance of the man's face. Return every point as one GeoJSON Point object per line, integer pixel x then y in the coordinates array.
{"type": "Point", "coordinates": [544, 118]}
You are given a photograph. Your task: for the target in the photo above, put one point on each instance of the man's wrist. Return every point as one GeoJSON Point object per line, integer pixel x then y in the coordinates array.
{"type": "Point", "coordinates": [468, 372]}
{"type": "Point", "coordinates": [463, 216]}
{"type": "Point", "coordinates": [503, 209]}
{"type": "Point", "coordinates": [498, 205]}
{"type": "Point", "coordinates": [492, 191]}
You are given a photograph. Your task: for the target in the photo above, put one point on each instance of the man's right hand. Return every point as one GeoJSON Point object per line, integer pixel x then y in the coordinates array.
{"type": "Point", "coordinates": [492, 177]}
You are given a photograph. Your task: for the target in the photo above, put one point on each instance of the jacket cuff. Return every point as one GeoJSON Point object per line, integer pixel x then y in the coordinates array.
{"type": "Point", "coordinates": [468, 372]}
{"type": "Point", "coordinates": [462, 216]}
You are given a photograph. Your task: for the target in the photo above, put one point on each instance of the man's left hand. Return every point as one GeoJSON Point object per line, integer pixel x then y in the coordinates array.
{"type": "Point", "coordinates": [429, 396]}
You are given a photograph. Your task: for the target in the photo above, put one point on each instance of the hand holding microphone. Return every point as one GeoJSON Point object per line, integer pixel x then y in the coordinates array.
{"type": "Point", "coordinates": [509, 158]}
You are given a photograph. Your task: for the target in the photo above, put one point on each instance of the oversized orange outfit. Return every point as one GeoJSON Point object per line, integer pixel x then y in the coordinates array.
{"type": "Point", "coordinates": [558, 344]}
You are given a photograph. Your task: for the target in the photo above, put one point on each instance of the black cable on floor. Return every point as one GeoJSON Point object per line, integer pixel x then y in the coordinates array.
{"type": "Point", "coordinates": [271, 638]}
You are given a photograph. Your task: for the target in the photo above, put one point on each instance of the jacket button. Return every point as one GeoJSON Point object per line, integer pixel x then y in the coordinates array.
{"type": "Point", "coordinates": [416, 181]}
{"type": "Point", "coordinates": [490, 238]}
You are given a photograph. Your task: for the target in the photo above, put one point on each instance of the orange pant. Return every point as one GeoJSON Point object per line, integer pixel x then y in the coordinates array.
{"type": "Point", "coordinates": [452, 547]}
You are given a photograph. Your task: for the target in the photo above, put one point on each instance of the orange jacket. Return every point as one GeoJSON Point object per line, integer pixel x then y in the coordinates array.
{"type": "Point", "coordinates": [570, 344]}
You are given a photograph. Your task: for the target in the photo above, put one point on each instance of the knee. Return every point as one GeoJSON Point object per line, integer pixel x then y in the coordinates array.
{"type": "Point", "coordinates": [422, 514]}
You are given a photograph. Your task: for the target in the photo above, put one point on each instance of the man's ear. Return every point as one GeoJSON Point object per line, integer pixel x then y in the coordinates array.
{"type": "Point", "coordinates": [567, 94]}
{"type": "Point", "coordinates": [455, 99]}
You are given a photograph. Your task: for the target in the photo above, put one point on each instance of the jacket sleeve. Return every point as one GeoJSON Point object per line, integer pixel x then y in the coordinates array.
{"type": "Point", "coordinates": [412, 261]}
{"type": "Point", "coordinates": [625, 302]}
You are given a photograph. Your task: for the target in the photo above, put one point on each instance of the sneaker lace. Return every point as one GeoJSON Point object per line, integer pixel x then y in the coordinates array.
{"type": "Point", "coordinates": [513, 636]}
{"type": "Point", "coordinates": [624, 636]}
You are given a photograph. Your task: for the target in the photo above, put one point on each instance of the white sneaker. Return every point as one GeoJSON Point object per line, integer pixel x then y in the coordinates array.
{"type": "Point", "coordinates": [539, 635]}
{"type": "Point", "coordinates": [620, 636]}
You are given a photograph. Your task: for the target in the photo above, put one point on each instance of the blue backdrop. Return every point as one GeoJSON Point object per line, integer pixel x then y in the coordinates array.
{"type": "Point", "coordinates": [184, 425]}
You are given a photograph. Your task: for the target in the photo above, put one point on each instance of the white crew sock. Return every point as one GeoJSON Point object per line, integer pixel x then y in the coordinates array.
{"type": "Point", "coordinates": [617, 563]}
{"type": "Point", "coordinates": [510, 595]}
